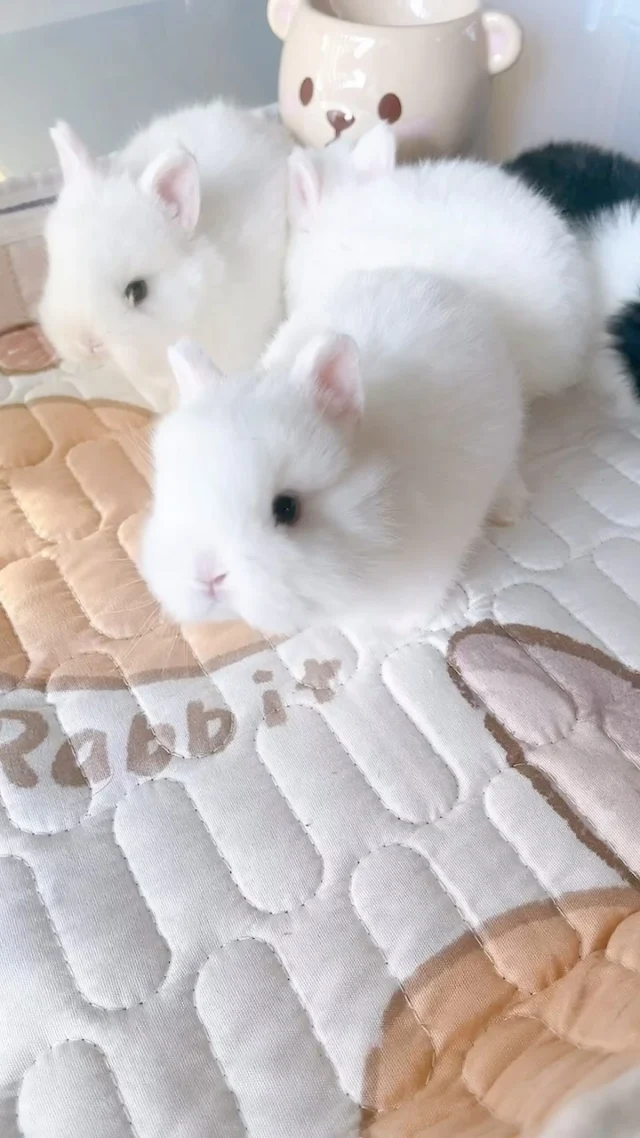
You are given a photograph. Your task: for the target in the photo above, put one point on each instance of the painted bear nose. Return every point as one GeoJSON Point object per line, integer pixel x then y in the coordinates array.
{"type": "Point", "coordinates": [339, 121]}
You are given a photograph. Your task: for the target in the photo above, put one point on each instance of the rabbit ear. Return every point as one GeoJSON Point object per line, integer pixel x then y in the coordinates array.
{"type": "Point", "coordinates": [73, 156]}
{"type": "Point", "coordinates": [174, 178]}
{"type": "Point", "coordinates": [304, 187]}
{"type": "Point", "coordinates": [329, 365]}
{"type": "Point", "coordinates": [192, 368]}
{"type": "Point", "coordinates": [374, 155]}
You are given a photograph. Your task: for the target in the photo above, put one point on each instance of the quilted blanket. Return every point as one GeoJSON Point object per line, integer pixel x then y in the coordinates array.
{"type": "Point", "coordinates": [324, 889]}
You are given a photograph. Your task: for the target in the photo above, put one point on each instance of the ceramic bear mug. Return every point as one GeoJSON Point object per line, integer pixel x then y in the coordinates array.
{"type": "Point", "coordinates": [424, 65]}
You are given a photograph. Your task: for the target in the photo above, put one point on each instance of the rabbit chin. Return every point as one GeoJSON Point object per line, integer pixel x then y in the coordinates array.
{"type": "Point", "coordinates": [283, 615]}
{"type": "Point", "coordinates": [140, 361]}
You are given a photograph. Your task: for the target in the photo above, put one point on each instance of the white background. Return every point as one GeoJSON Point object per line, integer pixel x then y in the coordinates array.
{"type": "Point", "coordinates": [579, 76]}
{"type": "Point", "coordinates": [113, 67]}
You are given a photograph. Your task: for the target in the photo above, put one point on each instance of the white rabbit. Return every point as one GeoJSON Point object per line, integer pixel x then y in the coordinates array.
{"type": "Point", "coordinates": [612, 1110]}
{"type": "Point", "coordinates": [182, 233]}
{"type": "Point", "coordinates": [352, 209]}
{"type": "Point", "coordinates": [347, 479]}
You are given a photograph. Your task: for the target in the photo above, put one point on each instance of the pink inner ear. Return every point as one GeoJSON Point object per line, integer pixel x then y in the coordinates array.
{"type": "Point", "coordinates": [175, 180]}
{"type": "Point", "coordinates": [179, 190]}
{"type": "Point", "coordinates": [304, 188]}
{"type": "Point", "coordinates": [338, 380]}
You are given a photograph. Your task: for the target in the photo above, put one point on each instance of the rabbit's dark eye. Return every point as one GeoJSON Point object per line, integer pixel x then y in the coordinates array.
{"type": "Point", "coordinates": [136, 292]}
{"type": "Point", "coordinates": [306, 92]}
{"type": "Point", "coordinates": [286, 509]}
{"type": "Point", "coordinates": [390, 108]}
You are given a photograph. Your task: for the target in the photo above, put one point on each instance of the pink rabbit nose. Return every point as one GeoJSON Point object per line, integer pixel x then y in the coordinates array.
{"type": "Point", "coordinates": [215, 583]}
{"type": "Point", "coordinates": [339, 121]}
{"type": "Point", "coordinates": [208, 578]}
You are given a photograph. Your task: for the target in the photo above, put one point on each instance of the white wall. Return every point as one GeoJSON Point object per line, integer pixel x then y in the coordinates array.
{"type": "Point", "coordinates": [579, 76]}
{"type": "Point", "coordinates": [18, 15]}
{"type": "Point", "coordinates": [108, 72]}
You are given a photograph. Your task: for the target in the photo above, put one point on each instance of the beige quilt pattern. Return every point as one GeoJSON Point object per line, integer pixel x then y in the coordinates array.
{"type": "Point", "coordinates": [326, 888]}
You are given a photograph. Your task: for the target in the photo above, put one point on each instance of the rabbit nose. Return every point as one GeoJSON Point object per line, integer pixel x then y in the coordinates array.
{"type": "Point", "coordinates": [207, 575]}
{"type": "Point", "coordinates": [213, 584]}
{"type": "Point", "coordinates": [340, 121]}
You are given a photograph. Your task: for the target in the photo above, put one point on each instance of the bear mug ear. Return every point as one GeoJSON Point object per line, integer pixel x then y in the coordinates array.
{"type": "Point", "coordinates": [280, 15]}
{"type": "Point", "coordinates": [504, 38]}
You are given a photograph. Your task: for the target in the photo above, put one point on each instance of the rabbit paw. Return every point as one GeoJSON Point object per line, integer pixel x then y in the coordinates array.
{"type": "Point", "coordinates": [511, 501]}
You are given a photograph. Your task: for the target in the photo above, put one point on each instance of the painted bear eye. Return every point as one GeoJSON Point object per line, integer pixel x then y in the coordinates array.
{"type": "Point", "coordinates": [136, 292]}
{"type": "Point", "coordinates": [306, 92]}
{"type": "Point", "coordinates": [390, 108]}
{"type": "Point", "coordinates": [286, 509]}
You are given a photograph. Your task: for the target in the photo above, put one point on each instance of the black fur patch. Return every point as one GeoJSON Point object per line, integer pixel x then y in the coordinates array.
{"type": "Point", "coordinates": [580, 180]}
{"type": "Point", "coordinates": [625, 332]}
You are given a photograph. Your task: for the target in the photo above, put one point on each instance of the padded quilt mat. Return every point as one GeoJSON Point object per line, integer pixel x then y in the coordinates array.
{"type": "Point", "coordinates": [326, 889]}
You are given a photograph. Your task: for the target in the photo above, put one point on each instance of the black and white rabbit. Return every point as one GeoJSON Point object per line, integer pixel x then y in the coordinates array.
{"type": "Point", "coordinates": [599, 193]}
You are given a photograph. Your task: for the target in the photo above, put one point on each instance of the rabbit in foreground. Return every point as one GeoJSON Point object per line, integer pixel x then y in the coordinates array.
{"type": "Point", "coordinates": [470, 222]}
{"type": "Point", "coordinates": [181, 233]}
{"type": "Point", "coordinates": [346, 480]}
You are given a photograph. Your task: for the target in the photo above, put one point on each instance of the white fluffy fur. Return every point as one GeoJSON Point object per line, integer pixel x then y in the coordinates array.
{"type": "Point", "coordinates": [612, 1111]}
{"type": "Point", "coordinates": [470, 222]}
{"type": "Point", "coordinates": [221, 282]}
{"type": "Point", "coordinates": [614, 245]}
{"type": "Point", "coordinates": [392, 496]}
